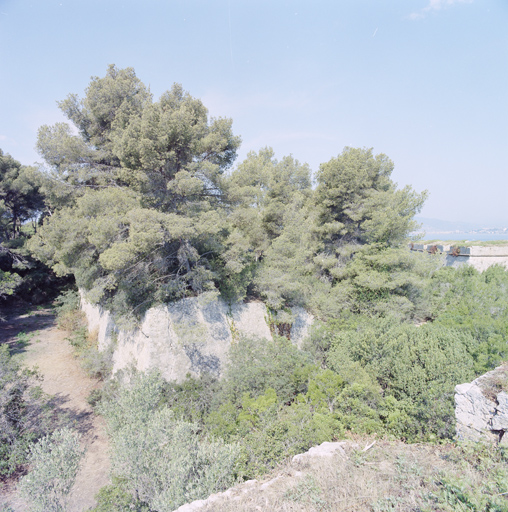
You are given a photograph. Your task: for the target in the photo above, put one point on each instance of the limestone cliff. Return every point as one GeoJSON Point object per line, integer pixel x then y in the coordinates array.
{"type": "Point", "coordinates": [189, 336]}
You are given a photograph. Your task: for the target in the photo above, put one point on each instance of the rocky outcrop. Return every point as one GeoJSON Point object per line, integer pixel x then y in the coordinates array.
{"type": "Point", "coordinates": [481, 408]}
{"type": "Point", "coordinates": [192, 335]}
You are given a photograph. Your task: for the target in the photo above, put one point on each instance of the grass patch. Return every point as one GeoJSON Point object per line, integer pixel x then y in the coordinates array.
{"type": "Point", "coordinates": [23, 339]}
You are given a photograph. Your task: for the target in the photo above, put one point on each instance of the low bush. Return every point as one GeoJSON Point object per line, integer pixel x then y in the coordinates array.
{"type": "Point", "coordinates": [418, 366]}
{"type": "Point", "coordinates": [258, 364]}
{"type": "Point", "coordinates": [69, 317]}
{"type": "Point", "coordinates": [166, 461]}
{"type": "Point", "coordinates": [479, 485]}
{"type": "Point", "coordinates": [54, 464]}
{"type": "Point", "coordinates": [115, 498]}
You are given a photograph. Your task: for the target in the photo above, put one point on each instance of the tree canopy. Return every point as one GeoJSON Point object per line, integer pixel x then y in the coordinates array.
{"type": "Point", "coordinates": [145, 206]}
{"type": "Point", "coordinates": [21, 206]}
{"type": "Point", "coordinates": [146, 209]}
{"type": "Point", "coordinates": [20, 197]}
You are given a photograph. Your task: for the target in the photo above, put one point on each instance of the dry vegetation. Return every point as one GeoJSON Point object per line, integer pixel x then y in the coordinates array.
{"type": "Point", "coordinates": [390, 476]}
{"type": "Point", "coordinates": [494, 382]}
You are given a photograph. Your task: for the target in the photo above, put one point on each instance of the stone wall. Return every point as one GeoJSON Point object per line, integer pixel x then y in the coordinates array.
{"type": "Point", "coordinates": [189, 336]}
{"type": "Point", "coordinates": [481, 407]}
{"type": "Point", "coordinates": [479, 257]}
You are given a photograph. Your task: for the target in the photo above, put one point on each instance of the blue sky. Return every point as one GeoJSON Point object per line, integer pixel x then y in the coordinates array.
{"type": "Point", "coordinates": [423, 81]}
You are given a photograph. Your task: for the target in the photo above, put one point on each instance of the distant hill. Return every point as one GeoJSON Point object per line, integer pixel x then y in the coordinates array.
{"type": "Point", "coordinates": [438, 225]}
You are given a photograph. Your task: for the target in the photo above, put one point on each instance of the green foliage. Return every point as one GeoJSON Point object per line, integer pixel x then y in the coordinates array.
{"type": "Point", "coordinates": [54, 464]}
{"type": "Point", "coordinates": [286, 274]}
{"type": "Point", "coordinates": [279, 432]}
{"type": "Point", "coordinates": [418, 366]}
{"type": "Point", "coordinates": [97, 364]}
{"type": "Point", "coordinates": [252, 408]}
{"type": "Point", "coordinates": [165, 460]}
{"type": "Point", "coordinates": [115, 498]}
{"type": "Point", "coordinates": [338, 247]}
{"type": "Point", "coordinates": [362, 223]}
{"type": "Point", "coordinates": [134, 402]}
{"type": "Point", "coordinates": [324, 390]}
{"type": "Point", "coordinates": [8, 283]}
{"type": "Point", "coordinates": [144, 221]}
{"type": "Point", "coordinates": [257, 364]}
{"type": "Point", "coordinates": [20, 197]}
{"type": "Point", "coordinates": [260, 403]}
{"type": "Point", "coordinates": [22, 204]}
{"type": "Point", "coordinates": [192, 399]}
{"type": "Point", "coordinates": [481, 485]}
{"type": "Point", "coordinates": [151, 217]}
{"type": "Point", "coordinates": [168, 464]}
{"type": "Point", "coordinates": [262, 192]}
{"type": "Point", "coordinates": [67, 302]}
{"type": "Point", "coordinates": [474, 303]}
{"type": "Point", "coordinates": [359, 203]}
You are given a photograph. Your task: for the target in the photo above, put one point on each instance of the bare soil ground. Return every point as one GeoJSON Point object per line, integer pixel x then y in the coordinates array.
{"type": "Point", "coordinates": [49, 351]}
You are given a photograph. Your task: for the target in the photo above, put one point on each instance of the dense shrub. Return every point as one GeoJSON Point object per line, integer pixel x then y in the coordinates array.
{"type": "Point", "coordinates": [168, 463]}
{"type": "Point", "coordinates": [418, 366]}
{"type": "Point", "coordinates": [191, 400]}
{"type": "Point", "coordinates": [477, 304]}
{"type": "Point", "coordinates": [258, 364]}
{"type": "Point", "coordinates": [358, 374]}
{"type": "Point", "coordinates": [54, 464]}
{"type": "Point", "coordinates": [117, 498]}
{"type": "Point", "coordinates": [163, 461]}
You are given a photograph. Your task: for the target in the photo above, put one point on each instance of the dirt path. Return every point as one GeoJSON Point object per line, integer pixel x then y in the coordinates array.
{"type": "Point", "coordinates": [63, 377]}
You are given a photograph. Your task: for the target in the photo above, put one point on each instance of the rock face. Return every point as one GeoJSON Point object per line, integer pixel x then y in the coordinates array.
{"type": "Point", "coordinates": [481, 408]}
{"type": "Point", "coordinates": [189, 336]}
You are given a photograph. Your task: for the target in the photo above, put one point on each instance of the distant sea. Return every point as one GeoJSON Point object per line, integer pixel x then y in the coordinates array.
{"type": "Point", "coordinates": [479, 237]}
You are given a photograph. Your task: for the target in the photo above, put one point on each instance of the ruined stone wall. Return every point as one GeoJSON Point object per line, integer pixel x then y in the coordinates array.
{"type": "Point", "coordinates": [479, 257]}
{"type": "Point", "coordinates": [189, 336]}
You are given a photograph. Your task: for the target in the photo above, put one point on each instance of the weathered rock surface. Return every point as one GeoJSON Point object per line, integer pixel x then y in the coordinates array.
{"type": "Point", "coordinates": [481, 408]}
{"type": "Point", "coordinates": [500, 420]}
{"type": "Point", "coordinates": [326, 449]}
{"type": "Point", "coordinates": [192, 335]}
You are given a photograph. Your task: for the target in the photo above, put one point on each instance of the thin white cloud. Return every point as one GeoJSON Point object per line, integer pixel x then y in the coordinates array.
{"type": "Point", "coordinates": [436, 5]}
